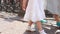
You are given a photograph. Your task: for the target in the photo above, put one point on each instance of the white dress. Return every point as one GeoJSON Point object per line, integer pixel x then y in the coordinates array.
{"type": "Point", "coordinates": [54, 6]}
{"type": "Point", "coordinates": [35, 10]}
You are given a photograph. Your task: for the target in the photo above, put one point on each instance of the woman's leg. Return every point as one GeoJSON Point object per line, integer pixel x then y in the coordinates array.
{"type": "Point", "coordinates": [29, 25]}
{"type": "Point", "coordinates": [39, 26]}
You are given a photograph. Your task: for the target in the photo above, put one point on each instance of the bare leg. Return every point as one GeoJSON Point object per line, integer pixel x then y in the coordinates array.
{"type": "Point", "coordinates": [39, 26]}
{"type": "Point", "coordinates": [24, 4]}
{"type": "Point", "coordinates": [56, 18]}
{"type": "Point", "coordinates": [58, 23]}
{"type": "Point", "coordinates": [30, 23]}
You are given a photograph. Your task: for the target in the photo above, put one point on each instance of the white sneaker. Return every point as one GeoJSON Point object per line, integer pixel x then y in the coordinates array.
{"type": "Point", "coordinates": [30, 29]}
{"type": "Point", "coordinates": [33, 29]}
{"type": "Point", "coordinates": [43, 32]}
{"type": "Point", "coordinates": [58, 31]}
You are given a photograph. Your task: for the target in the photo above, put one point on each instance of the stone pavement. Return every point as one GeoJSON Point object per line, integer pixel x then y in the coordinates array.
{"type": "Point", "coordinates": [12, 27]}
{"type": "Point", "coordinates": [15, 26]}
{"type": "Point", "coordinates": [9, 26]}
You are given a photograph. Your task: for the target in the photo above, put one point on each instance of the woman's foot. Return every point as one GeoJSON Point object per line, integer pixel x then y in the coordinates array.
{"type": "Point", "coordinates": [30, 29]}
{"type": "Point", "coordinates": [43, 32]}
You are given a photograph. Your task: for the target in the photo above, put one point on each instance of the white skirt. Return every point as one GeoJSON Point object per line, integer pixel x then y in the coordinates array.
{"type": "Point", "coordinates": [35, 11]}
{"type": "Point", "coordinates": [53, 6]}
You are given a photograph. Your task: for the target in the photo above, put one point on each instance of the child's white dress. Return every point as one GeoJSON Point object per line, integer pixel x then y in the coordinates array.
{"type": "Point", "coordinates": [35, 10]}
{"type": "Point", "coordinates": [54, 6]}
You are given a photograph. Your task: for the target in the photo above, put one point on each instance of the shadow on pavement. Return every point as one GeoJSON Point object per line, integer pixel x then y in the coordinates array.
{"type": "Point", "coordinates": [27, 32]}
{"type": "Point", "coordinates": [51, 31]}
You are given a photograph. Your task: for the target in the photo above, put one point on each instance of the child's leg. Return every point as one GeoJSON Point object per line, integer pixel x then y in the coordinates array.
{"type": "Point", "coordinates": [58, 23]}
{"type": "Point", "coordinates": [39, 26]}
{"type": "Point", "coordinates": [57, 19]}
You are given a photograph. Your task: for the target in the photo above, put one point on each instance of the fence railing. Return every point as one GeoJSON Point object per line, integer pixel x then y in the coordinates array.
{"type": "Point", "coordinates": [15, 6]}
{"type": "Point", "coordinates": [10, 5]}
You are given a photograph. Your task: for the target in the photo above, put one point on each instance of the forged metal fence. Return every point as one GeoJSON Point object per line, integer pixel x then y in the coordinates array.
{"type": "Point", "coordinates": [10, 5]}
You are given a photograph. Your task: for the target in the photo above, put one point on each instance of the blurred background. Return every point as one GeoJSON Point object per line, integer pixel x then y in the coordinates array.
{"type": "Point", "coordinates": [15, 7]}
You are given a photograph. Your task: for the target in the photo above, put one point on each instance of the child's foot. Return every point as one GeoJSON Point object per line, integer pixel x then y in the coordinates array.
{"type": "Point", "coordinates": [57, 32]}
{"type": "Point", "coordinates": [43, 32]}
